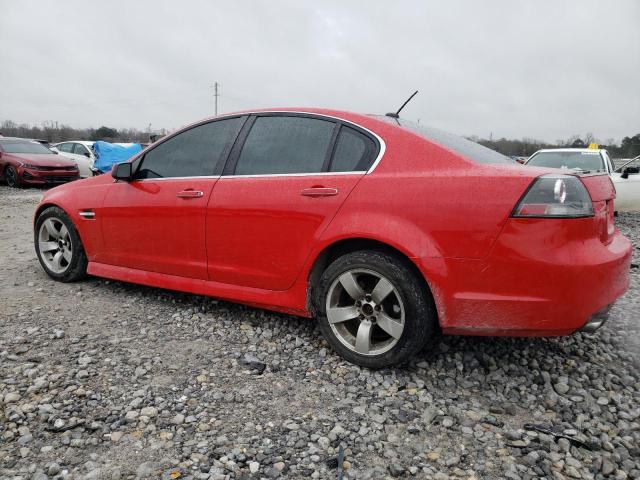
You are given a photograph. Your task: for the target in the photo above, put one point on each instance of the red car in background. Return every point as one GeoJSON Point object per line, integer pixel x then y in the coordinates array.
{"type": "Point", "coordinates": [28, 162]}
{"type": "Point", "coordinates": [384, 231]}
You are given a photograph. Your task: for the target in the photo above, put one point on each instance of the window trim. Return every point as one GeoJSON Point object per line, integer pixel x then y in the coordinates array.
{"type": "Point", "coordinates": [368, 151]}
{"type": "Point", "coordinates": [378, 141]}
{"type": "Point", "coordinates": [232, 160]}
{"type": "Point", "coordinates": [217, 168]}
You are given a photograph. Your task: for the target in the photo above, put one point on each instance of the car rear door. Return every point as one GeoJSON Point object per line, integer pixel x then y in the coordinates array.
{"type": "Point", "coordinates": [278, 193]}
{"type": "Point", "coordinates": [156, 221]}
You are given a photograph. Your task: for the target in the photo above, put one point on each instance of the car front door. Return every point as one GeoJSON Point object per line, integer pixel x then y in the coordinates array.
{"type": "Point", "coordinates": [83, 158]}
{"type": "Point", "coordinates": [283, 183]}
{"type": "Point", "coordinates": [156, 221]}
{"type": "Point", "coordinates": [627, 188]}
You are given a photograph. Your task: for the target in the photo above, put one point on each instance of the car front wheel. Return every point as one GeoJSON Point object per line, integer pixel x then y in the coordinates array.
{"type": "Point", "coordinates": [373, 309]}
{"type": "Point", "coordinates": [11, 176]}
{"type": "Point", "coordinates": [58, 246]}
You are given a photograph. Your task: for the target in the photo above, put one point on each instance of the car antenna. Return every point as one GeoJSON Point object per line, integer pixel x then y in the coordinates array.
{"type": "Point", "coordinates": [397, 114]}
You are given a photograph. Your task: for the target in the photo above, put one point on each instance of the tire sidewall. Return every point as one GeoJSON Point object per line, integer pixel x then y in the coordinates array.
{"type": "Point", "coordinates": [419, 324]}
{"type": "Point", "coordinates": [16, 181]}
{"type": "Point", "coordinates": [78, 258]}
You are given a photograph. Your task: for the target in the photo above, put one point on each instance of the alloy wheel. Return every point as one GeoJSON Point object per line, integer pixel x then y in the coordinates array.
{"type": "Point", "coordinates": [365, 312]}
{"type": "Point", "coordinates": [54, 245]}
{"type": "Point", "coordinates": [11, 176]}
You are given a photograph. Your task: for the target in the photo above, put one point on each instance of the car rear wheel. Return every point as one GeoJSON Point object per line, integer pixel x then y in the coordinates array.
{"type": "Point", "coordinates": [11, 177]}
{"type": "Point", "coordinates": [373, 309]}
{"type": "Point", "coordinates": [58, 246]}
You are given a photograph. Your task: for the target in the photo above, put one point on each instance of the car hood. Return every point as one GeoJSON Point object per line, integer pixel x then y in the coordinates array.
{"type": "Point", "coordinates": [44, 159]}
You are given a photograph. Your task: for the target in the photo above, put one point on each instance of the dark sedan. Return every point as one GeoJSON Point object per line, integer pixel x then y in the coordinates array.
{"type": "Point", "coordinates": [26, 162]}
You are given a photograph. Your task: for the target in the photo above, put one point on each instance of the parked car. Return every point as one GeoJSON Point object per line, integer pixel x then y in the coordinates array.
{"type": "Point", "coordinates": [82, 152]}
{"type": "Point", "coordinates": [26, 162]}
{"type": "Point", "coordinates": [41, 142]}
{"type": "Point", "coordinates": [588, 160]}
{"type": "Point", "coordinates": [385, 231]}
{"type": "Point", "coordinates": [626, 179]}
{"type": "Point", "coordinates": [518, 158]}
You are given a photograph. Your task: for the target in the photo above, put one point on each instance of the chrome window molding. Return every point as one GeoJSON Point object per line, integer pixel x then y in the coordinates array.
{"type": "Point", "coordinates": [311, 174]}
{"type": "Point", "coordinates": [262, 175]}
{"type": "Point", "coordinates": [381, 142]}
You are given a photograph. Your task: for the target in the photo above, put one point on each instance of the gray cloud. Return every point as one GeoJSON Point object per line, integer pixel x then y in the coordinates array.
{"type": "Point", "coordinates": [544, 69]}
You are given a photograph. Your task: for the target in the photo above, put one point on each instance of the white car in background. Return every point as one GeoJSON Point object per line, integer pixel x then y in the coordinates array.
{"type": "Point", "coordinates": [625, 178]}
{"type": "Point", "coordinates": [81, 152]}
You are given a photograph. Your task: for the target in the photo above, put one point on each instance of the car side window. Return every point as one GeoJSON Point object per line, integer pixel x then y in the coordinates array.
{"type": "Point", "coordinates": [285, 144]}
{"type": "Point", "coordinates": [66, 147]}
{"type": "Point", "coordinates": [353, 152]}
{"type": "Point", "coordinates": [79, 149]}
{"type": "Point", "coordinates": [192, 153]}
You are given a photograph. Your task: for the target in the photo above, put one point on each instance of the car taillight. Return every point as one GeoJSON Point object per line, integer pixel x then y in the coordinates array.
{"type": "Point", "coordinates": [555, 196]}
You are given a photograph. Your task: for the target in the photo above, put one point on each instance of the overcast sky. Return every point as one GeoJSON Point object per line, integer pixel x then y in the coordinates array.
{"type": "Point", "coordinates": [542, 69]}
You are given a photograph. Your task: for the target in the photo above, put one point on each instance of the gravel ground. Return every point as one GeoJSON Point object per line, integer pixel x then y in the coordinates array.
{"type": "Point", "coordinates": [102, 379]}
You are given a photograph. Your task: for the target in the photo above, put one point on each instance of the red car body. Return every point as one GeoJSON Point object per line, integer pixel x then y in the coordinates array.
{"type": "Point", "coordinates": [38, 167]}
{"type": "Point", "coordinates": [260, 239]}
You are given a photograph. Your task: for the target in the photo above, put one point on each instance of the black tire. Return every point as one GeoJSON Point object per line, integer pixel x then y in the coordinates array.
{"type": "Point", "coordinates": [11, 177]}
{"type": "Point", "coordinates": [420, 322]}
{"type": "Point", "coordinates": [77, 266]}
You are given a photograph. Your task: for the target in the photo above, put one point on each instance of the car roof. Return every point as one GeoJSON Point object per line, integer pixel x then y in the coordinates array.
{"type": "Point", "coordinates": [83, 142]}
{"type": "Point", "coordinates": [571, 150]}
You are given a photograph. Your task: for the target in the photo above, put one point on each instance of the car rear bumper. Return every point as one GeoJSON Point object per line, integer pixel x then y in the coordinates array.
{"type": "Point", "coordinates": [541, 279]}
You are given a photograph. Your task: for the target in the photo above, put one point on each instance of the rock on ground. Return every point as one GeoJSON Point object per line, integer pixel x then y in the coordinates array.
{"type": "Point", "coordinates": [102, 379]}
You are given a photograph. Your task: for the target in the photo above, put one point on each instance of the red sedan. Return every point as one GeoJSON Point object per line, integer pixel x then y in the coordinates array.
{"type": "Point", "coordinates": [27, 162]}
{"type": "Point", "coordinates": [384, 231]}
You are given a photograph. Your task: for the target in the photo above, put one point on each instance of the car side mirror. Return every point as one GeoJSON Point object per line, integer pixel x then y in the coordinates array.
{"type": "Point", "coordinates": [630, 171]}
{"type": "Point", "coordinates": [87, 154]}
{"type": "Point", "coordinates": [122, 171]}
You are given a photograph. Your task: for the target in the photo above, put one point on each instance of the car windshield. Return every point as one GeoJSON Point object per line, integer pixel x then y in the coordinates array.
{"type": "Point", "coordinates": [585, 161]}
{"type": "Point", "coordinates": [468, 149]}
{"type": "Point", "coordinates": [23, 146]}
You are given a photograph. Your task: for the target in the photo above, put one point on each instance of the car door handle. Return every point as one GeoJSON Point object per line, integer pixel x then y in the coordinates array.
{"type": "Point", "coordinates": [319, 192]}
{"type": "Point", "coordinates": [190, 194]}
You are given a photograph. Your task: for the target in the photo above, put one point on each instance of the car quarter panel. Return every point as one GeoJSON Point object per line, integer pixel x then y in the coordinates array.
{"type": "Point", "coordinates": [429, 201]}
{"type": "Point", "coordinates": [543, 277]}
{"type": "Point", "coordinates": [86, 195]}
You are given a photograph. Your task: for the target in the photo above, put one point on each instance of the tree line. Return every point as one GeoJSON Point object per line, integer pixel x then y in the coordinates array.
{"type": "Point", "coordinates": [628, 148]}
{"type": "Point", "coordinates": [54, 132]}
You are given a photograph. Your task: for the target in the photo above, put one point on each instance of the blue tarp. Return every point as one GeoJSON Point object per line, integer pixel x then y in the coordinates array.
{"type": "Point", "coordinates": [108, 154]}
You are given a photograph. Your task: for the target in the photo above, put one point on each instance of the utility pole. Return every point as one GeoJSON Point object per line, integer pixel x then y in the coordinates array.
{"type": "Point", "coordinates": [215, 97]}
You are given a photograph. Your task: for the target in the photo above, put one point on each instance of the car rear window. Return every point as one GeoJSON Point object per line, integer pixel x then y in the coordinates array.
{"type": "Point", "coordinates": [354, 151]}
{"type": "Point", "coordinates": [460, 145]}
{"type": "Point", "coordinates": [587, 161]}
